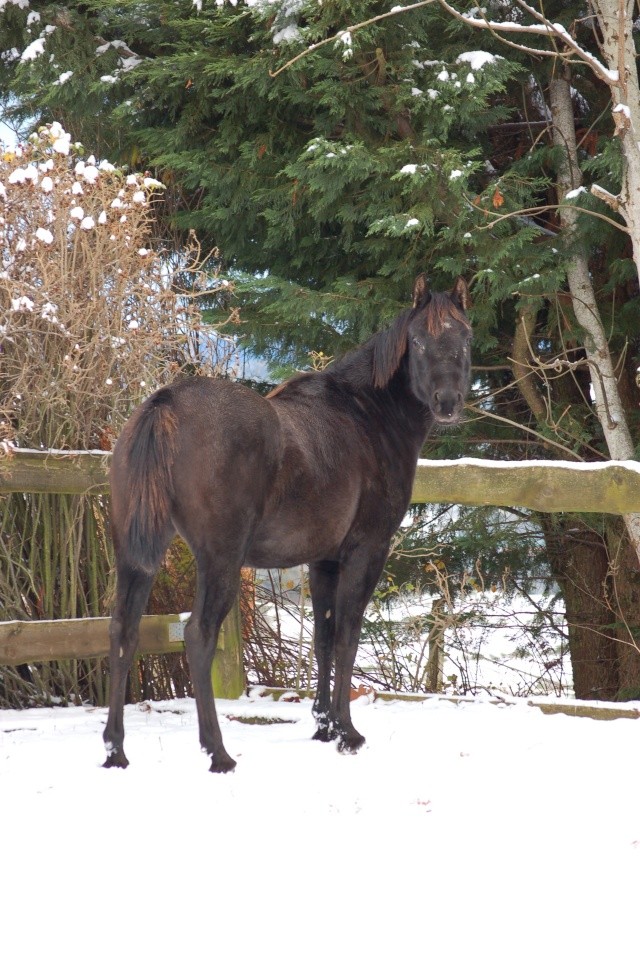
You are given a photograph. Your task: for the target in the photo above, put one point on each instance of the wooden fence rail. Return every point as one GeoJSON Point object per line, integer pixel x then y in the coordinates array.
{"type": "Point", "coordinates": [545, 486]}
{"type": "Point", "coordinates": [610, 487]}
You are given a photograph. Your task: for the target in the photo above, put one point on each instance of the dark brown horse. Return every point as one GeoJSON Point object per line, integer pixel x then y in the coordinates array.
{"type": "Point", "coordinates": [320, 471]}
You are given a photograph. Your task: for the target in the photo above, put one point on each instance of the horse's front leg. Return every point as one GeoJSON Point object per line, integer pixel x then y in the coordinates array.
{"type": "Point", "coordinates": [359, 574]}
{"type": "Point", "coordinates": [323, 580]}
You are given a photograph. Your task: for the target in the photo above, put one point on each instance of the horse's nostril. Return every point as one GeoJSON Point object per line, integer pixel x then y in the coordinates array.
{"type": "Point", "coordinates": [436, 395]}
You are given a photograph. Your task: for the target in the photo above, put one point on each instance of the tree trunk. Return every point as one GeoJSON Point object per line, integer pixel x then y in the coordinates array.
{"type": "Point", "coordinates": [609, 407]}
{"type": "Point", "coordinates": [580, 563]}
{"type": "Point", "coordinates": [625, 600]}
{"type": "Point", "coordinates": [616, 23]}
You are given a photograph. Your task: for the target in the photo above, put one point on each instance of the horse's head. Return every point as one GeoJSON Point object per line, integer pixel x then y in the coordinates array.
{"type": "Point", "coordinates": [438, 349]}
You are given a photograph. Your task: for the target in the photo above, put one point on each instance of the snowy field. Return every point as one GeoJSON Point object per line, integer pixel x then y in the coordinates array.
{"type": "Point", "coordinates": [459, 833]}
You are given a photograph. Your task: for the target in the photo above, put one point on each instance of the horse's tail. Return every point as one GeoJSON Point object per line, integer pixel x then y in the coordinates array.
{"type": "Point", "coordinates": [146, 474]}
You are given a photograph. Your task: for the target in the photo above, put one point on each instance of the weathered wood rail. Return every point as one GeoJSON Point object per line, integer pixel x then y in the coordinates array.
{"type": "Point", "coordinates": [46, 641]}
{"type": "Point", "coordinates": [546, 486]}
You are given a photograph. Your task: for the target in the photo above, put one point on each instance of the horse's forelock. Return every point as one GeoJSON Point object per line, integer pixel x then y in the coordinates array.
{"type": "Point", "coordinates": [441, 309]}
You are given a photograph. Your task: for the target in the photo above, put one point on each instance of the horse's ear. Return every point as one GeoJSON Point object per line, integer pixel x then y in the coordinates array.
{"type": "Point", "coordinates": [460, 294]}
{"type": "Point", "coordinates": [421, 293]}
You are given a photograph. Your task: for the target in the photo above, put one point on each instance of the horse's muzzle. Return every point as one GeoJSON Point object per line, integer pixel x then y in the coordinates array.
{"type": "Point", "coordinates": [447, 406]}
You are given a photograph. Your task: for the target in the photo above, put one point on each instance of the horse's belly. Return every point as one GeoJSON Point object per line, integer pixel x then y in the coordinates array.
{"type": "Point", "coordinates": [294, 536]}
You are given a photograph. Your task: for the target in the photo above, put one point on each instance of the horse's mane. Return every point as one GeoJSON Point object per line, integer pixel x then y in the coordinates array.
{"type": "Point", "coordinates": [389, 348]}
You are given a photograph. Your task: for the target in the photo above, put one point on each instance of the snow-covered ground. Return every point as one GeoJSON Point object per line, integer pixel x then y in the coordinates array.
{"type": "Point", "coordinates": [460, 832]}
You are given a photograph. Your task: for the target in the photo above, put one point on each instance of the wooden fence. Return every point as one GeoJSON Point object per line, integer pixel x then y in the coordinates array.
{"type": "Point", "coordinates": [610, 487]}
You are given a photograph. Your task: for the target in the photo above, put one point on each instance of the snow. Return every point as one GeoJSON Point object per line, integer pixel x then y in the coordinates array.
{"type": "Point", "coordinates": [21, 304]}
{"type": "Point", "coordinates": [459, 832]}
{"type": "Point", "coordinates": [22, 4]}
{"type": "Point", "coordinates": [477, 59]}
{"type": "Point", "coordinates": [62, 142]}
{"type": "Point", "coordinates": [288, 34]}
{"type": "Point", "coordinates": [44, 235]}
{"type": "Point", "coordinates": [20, 175]}
{"type": "Point", "coordinates": [35, 49]}
{"type": "Point", "coordinates": [542, 462]}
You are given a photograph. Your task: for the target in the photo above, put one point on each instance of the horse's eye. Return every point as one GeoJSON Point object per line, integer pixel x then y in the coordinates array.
{"type": "Point", "coordinates": [417, 343]}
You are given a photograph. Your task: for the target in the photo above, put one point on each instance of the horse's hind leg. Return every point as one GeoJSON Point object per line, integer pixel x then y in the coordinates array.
{"type": "Point", "coordinates": [217, 588]}
{"type": "Point", "coordinates": [132, 593]}
{"type": "Point", "coordinates": [323, 580]}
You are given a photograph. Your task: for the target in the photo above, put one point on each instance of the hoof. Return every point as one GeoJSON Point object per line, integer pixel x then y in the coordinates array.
{"type": "Point", "coordinates": [222, 764]}
{"type": "Point", "coordinates": [350, 743]}
{"type": "Point", "coordinates": [324, 734]}
{"type": "Point", "coordinates": [115, 760]}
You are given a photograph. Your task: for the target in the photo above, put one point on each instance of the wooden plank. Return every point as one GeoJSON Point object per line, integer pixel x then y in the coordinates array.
{"type": "Point", "coordinates": [546, 486]}
{"type": "Point", "coordinates": [44, 641]}
{"type": "Point", "coordinates": [59, 472]}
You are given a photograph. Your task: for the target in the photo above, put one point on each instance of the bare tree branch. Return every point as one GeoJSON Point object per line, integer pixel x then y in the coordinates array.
{"type": "Point", "coordinates": [394, 12]}
{"type": "Point", "coordinates": [545, 28]}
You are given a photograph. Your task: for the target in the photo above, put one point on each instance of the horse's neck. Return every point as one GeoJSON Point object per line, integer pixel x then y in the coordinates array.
{"type": "Point", "coordinates": [393, 412]}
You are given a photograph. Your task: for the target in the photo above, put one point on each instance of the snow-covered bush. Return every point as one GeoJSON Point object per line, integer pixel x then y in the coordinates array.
{"type": "Point", "coordinates": [91, 315]}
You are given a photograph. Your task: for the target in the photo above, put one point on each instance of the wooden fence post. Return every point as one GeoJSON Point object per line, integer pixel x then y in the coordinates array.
{"type": "Point", "coordinates": [227, 673]}
{"type": "Point", "coordinates": [435, 661]}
